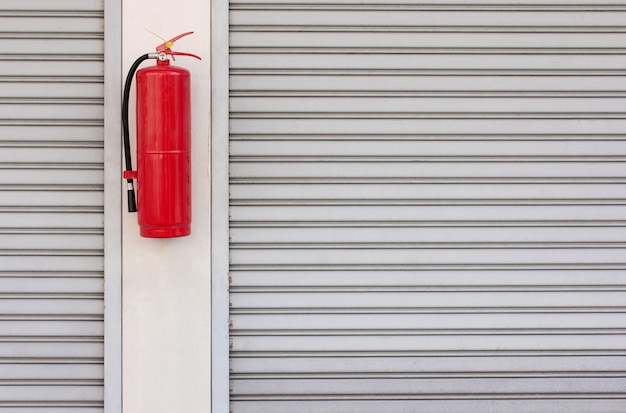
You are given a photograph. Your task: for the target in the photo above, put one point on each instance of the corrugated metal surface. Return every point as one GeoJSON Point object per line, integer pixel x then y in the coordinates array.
{"type": "Point", "coordinates": [51, 206]}
{"type": "Point", "coordinates": [428, 206]}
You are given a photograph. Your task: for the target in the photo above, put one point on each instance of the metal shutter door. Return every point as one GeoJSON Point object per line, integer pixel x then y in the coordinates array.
{"type": "Point", "coordinates": [427, 206]}
{"type": "Point", "coordinates": [51, 206]}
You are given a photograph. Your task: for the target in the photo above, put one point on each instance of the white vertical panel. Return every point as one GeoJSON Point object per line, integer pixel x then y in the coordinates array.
{"type": "Point", "coordinates": [427, 206]}
{"type": "Point", "coordinates": [51, 207]}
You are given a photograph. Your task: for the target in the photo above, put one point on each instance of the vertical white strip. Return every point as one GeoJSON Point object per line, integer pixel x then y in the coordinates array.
{"type": "Point", "coordinates": [219, 195]}
{"type": "Point", "coordinates": [112, 207]}
{"type": "Point", "coordinates": [167, 282]}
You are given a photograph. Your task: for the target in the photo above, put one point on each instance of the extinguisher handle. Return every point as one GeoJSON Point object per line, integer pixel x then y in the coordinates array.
{"type": "Point", "coordinates": [183, 54]}
{"type": "Point", "coordinates": [167, 44]}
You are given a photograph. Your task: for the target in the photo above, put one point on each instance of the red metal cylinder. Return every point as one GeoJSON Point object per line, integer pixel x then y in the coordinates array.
{"type": "Point", "coordinates": [163, 151]}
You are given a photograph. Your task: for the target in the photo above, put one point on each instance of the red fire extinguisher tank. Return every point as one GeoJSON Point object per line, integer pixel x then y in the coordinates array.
{"type": "Point", "coordinates": [163, 151]}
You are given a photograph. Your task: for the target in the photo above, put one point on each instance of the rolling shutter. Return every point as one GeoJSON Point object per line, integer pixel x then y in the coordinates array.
{"type": "Point", "coordinates": [427, 206]}
{"type": "Point", "coordinates": [51, 206]}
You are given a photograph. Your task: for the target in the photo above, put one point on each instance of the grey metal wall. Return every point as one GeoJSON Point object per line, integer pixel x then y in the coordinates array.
{"type": "Point", "coordinates": [51, 206]}
{"type": "Point", "coordinates": [428, 206]}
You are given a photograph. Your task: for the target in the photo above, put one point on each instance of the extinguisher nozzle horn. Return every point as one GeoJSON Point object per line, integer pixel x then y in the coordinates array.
{"type": "Point", "coordinates": [132, 203]}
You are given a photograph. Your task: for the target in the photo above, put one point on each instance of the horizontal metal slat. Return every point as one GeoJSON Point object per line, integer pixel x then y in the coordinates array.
{"type": "Point", "coordinates": [50, 328]}
{"type": "Point", "coordinates": [399, 406]}
{"type": "Point", "coordinates": [425, 364]}
{"type": "Point", "coordinates": [424, 15]}
{"type": "Point", "coordinates": [423, 107]}
{"type": "Point", "coordinates": [51, 350]}
{"type": "Point", "coordinates": [499, 150]}
{"type": "Point", "coordinates": [462, 279]}
{"type": "Point", "coordinates": [86, 44]}
{"type": "Point", "coordinates": [466, 169]}
{"type": "Point", "coordinates": [52, 261]}
{"type": "Point", "coordinates": [423, 191]}
{"type": "Point", "coordinates": [51, 216]}
{"type": "Point", "coordinates": [461, 5]}
{"type": "Point", "coordinates": [241, 324]}
{"type": "Point", "coordinates": [427, 342]}
{"type": "Point", "coordinates": [327, 211]}
{"type": "Point", "coordinates": [434, 82]}
{"type": "Point", "coordinates": [52, 369]}
{"type": "Point", "coordinates": [408, 300]}
{"type": "Point", "coordinates": [40, 130]}
{"type": "Point", "coordinates": [40, 65]}
{"type": "Point", "coordinates": [52, 391]}
{"type": "Point", "coordinates": [48, 282]}
{"type": "Point", "coordinates": [517, 62]}
{"type": "Point", "coordinates": [52, 153]}
{"type": "Point", "coordinates": [51, 174]}
{"type": "Point", "coordinates": [402, 387]}
{"type": "Point", "coordinates": [16, 240]}
{"type": "Point", "coordinates": [44, 6]}
{"type": "Point", "coordinates": [356, 36]}
{"type": "Point", "coordinates": [17, 109]}
{"type": "Point", "coordinates": [470, 256]}
{"type": "Point", "coordinates": [32, 87]}
{"type": "Point", "coordinates": [333, 235]}
{"type": "Point", "coordinates": [448, 124]}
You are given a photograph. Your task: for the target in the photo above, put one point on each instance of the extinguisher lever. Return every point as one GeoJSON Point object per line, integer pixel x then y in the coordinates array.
{"type": "Point", "coordinates": [183, 54]}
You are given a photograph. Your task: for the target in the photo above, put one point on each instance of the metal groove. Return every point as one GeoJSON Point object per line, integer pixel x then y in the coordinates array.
{"type": "Point", "coordinates": [502, 7]}
{"type": "Point", "coordinates": [427, 353]}
{"type": "Point", "coordinates": [50, 231]}
{"type": "Point", "coordinates": [52, 57]}
{"type": "Point", "coordinates": [51, 101]}
{"type": "Point", "coordinates": [53, 122]}
{"type": "Point", "coordinates": [430, 267]}
{"type": "Point", "coordinates": [51, 274]}
{"type": "Point", "coordinates": [50, 144]}
{"type": "Point", "coordinates": [43, 13]}
{"type": "Point", "coordinates": [51, 339]}
{"type": "Point", "coordinates": [425, 202]}
{"type": "Point", "coordinates": [427, 158]}
{"type": "Point", "coordinates": [52, 317]}
{"type": "Point", "coordinates": [428, 115]}
{"type": "Point", "coordinates": [32, 35]}
{"type": "Point", "coordinates": [52, 166]}
{"type": "Point", "coordinates": [52, 79]}
{"type": "Point", "coordinates": [51, 382]}
{"type": "Point", "coordinates": [418, 396]}
{"type": "Point", "coordinates": [428, 375]}
{"type": "Point", "coordinates": [552, 72]}
{"type": "Point", "coordinates": [49, 253]}
{"type": "Point", "coordinates": [52, 360]}
{"type": "Point", "coordinates": [257, 289]}
{"type": "Point", "coordinates": [585, 51]}
{"type": "Point", "coordinates": [52, 187]}
{"type": "Point", "coordinates": [425, 137]}
{"type": "Point", "coordinates": [424, 94]}
{"type": "Point", "coordinates": [52, 296]}
{"type": "Point", "coordinates": [51, 404]}
{"type": "Point", "coordinates": [329, 332]}
{"type": "Point", "coordinates": [428, 180]}
{"type": "Point", "coordinates": [426, 224]}
{"type": "Point", "coordinates": [424, 245]}
{"type": "Point", "coordinates": [427, 310]}
{"type": "Point", "coordinates": [286, 28]}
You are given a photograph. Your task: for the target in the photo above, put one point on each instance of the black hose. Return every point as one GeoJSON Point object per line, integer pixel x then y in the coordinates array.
{"type": "Point", "coordinates": [132, 204]}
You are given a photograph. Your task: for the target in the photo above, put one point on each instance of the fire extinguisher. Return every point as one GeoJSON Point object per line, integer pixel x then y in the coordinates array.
{"type": "Point", "coordinates": [163, 171]}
